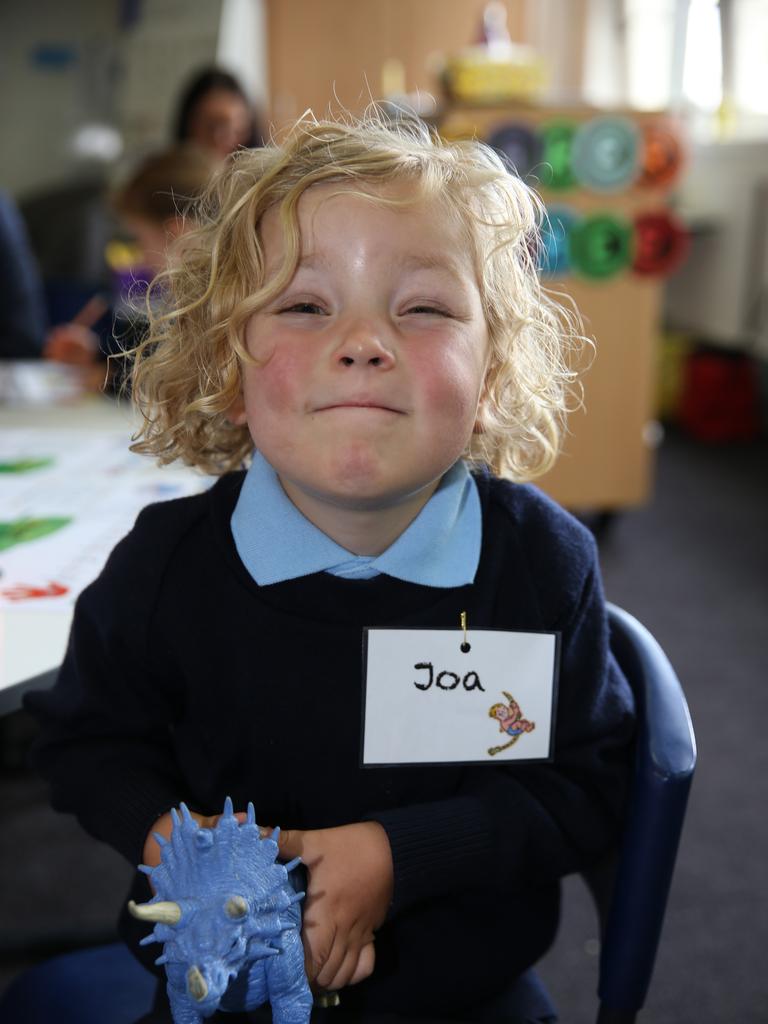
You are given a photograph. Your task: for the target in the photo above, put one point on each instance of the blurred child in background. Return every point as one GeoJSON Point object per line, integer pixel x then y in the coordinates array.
{"type": "Point", "coordinates": [151, 206]}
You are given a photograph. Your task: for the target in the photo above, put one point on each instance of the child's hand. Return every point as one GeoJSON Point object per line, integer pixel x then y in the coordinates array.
{"type": "Point", "coordinates": [348, 893]}
{"type": "Point", "coordinates": [72, 343]}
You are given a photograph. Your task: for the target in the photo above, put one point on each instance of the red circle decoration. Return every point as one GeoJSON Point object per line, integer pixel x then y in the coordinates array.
{"type": "Point", "coordinates": [661, 243]}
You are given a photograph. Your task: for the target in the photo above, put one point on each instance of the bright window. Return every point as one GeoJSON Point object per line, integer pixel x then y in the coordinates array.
{"type": "Point", "coordinates": [703, 67]}
{"type": "Point", "coordinates": [750, 85]}
{"type": "Point", "coordinates": [649, 33]}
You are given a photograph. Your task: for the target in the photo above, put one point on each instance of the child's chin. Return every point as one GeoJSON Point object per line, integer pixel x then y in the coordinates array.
{"type": "Point", "coordinates": [357, 471]}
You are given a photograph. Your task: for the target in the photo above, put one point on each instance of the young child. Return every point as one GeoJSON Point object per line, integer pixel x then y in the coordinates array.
{"type": "Point", "coordinates": [360, 305]}
{"type": "Point", "coordinates": [151, 206]}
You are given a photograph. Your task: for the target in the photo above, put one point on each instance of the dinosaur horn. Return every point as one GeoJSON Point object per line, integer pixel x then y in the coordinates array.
{"type": "Point", "coordinates": [164, 911]}
{"type": "Point", "coordinates": [196, 984]}
{"type": "Point", "coordinates": [236, 907]}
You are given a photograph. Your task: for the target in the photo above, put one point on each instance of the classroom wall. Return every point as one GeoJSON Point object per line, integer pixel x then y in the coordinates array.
{"type": "Point", "coordinates": [56, 62]}
{"type": "Point", "coordinates": [122, 63]}
{"type": "Point", "coordinates": [107, 62]}
{"type": "Point", "coordinates": [720, 294]}
{"type": "Point", "coordinates": [158, 53]}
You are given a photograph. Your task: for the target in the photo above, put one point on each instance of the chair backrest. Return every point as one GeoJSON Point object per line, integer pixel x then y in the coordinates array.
{"type": "Point", "coordinates": [632, 893]}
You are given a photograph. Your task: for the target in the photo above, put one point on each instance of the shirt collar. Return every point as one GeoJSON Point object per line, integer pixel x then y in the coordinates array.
{"type": "Point", "coordinates": [440, 548]}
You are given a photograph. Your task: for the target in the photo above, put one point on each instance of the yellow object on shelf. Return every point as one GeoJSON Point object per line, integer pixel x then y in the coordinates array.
{"type": "Point", "coordinates": [475, 76]}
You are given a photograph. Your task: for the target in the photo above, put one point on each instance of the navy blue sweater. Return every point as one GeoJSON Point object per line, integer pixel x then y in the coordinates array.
{"type": "Point", "coordinates": [185, 680]}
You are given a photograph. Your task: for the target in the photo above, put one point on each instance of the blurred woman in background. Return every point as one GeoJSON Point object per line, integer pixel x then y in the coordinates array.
{"type": "Point", "coordinates": [215, 113]}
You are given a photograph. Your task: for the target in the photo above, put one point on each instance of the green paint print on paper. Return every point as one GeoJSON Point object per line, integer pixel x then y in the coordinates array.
{"type": "Point", "coordinates": [20, 531]}
{"type": "Point", "coordinates": [24, 465]}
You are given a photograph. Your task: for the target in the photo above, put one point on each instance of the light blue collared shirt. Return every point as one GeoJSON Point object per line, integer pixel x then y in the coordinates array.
{"type": "Point", "coordinates": [440, 548]}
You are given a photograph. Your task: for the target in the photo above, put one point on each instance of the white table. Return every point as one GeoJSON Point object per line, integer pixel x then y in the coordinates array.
{"type": "Point", "coordinates": [69, 491]}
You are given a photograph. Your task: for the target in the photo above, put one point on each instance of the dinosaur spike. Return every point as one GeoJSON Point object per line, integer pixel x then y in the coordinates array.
{"type": "Point", "coordinates": [175, 818]}
{"type": "Point", "coordinates": [257, 949]}
{"type": "Point", "coordinates": [228, 808]}
{"type": "Point", "coordinates": [275, 834]}
{"type": "Point", "coordinates": [188, 819]}
{"type": "Point", "coordinates": [292, 864]}
{"type": "Point", "coordinates": [160, 840]}
{"type": "Point", "coordinates": [162, 959]}
{"type": "Point", "coordinates": [148, 939]}
{"type": "Point", "coordinates": [296, 897]}
{"type": "Point", "coordinates": [145, 869]}
{"type": "Point", "coordinates": [204, 839]}
{"type": "Point", "coordinates": [251, 815]}
{"type": "Point", "coordinates": [270, 848]}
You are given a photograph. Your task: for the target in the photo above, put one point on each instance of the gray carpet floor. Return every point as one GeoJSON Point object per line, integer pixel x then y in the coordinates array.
{"type": "Point", "coordinates": [693, 566]}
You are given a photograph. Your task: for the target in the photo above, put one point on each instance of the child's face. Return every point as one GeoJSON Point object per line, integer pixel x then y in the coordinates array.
{"type": "Point", "coordinates": [220, 122]}
{"type": "Point", "coordinates": [372, 360]}
{"type": "Point", "coordinates": [153, 239]}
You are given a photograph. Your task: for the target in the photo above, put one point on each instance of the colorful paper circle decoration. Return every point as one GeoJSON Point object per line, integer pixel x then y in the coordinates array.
{"type": "Point", "coordinates": [661, 157]}
{"type": "Point", "coordinates": [605, 153]}
{"type": "Point", "coordinates": [518, 146]}
{"type": "Point", "coordinates": [661, 243]}
{"type": "Point", "coordinates": [557, 138]}
{"type": "Point", "coordinates": [600, 246]}
{"type": "Point", "coordinates": [554, 256]}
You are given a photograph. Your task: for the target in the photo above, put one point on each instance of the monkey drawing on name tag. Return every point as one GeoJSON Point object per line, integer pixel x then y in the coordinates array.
{"type": "Point", "coordinates": [511, 721]}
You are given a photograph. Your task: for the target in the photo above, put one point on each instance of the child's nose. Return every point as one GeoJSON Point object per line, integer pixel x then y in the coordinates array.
{"type": "Point", "coordinates": [365, 345]}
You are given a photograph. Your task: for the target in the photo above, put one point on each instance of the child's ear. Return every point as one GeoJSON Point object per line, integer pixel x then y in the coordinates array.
{"type": "Point", "coordinates": [236, 412]}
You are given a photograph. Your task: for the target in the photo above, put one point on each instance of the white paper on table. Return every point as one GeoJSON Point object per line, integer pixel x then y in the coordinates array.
{"type": "Point", "coordinates": [96, 483]}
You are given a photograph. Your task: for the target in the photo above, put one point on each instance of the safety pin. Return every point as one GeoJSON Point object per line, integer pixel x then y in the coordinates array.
{"type": "Point", "coordinates": [466, 646]}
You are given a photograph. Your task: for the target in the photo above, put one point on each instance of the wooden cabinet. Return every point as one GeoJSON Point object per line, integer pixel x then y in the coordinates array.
{"type": "Point", "coordinates": [332, 52]}
{"type": "Point", "coordinates": [607, 460]}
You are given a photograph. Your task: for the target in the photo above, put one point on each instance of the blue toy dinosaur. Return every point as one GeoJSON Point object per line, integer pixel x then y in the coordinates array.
{"type": "Point", "coordinates": [228, 917]}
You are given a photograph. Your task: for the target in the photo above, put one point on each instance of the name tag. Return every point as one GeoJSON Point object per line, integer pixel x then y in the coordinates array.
{"type": "Point", "coordinates": [436, 696]}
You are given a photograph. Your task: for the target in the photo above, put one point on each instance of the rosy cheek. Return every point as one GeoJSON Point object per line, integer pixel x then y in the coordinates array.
{"type": "Point", "coordinates": [448, 385]}
{"type": "Point", "coordinates": [283, 379]}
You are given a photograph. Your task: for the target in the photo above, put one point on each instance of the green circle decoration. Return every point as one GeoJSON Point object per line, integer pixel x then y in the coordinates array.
{"type": "Point", "coordinates": [557, 139]}
{"type": "Point", "coordinates": [601, 246]}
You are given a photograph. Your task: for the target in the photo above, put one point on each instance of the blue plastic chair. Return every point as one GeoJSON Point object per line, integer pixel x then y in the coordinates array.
{"type": "Point", "coordinates": [105, 985]}
{"type": "Point", "coordinates": [631, 885]}
{"type": "Point", "coordinates": [631, 889]}
{"type": "Point", "coordinates": [98, 985]}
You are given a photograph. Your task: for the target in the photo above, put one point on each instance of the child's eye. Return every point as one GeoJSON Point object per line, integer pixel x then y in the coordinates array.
{"type": "Point", "coordinates": [425, 308]}
{"type": "Point", "coordinates": [304, 307]}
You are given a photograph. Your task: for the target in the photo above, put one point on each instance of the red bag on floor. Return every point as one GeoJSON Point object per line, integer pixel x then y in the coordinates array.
{"type": "Point", "coordinates": [720, 397]}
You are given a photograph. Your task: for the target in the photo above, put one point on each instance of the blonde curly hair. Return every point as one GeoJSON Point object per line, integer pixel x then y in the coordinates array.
{"type": "Point", "coordinates": [186, 371]}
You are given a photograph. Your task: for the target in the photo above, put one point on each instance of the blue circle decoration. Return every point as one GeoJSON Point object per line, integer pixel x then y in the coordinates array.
{"type": "Point", "coordinates": [605, 154]}
{"type": "Point", "coordinates": [554, 254]}
{"type": "Point", "coordinates": [518, 146]}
